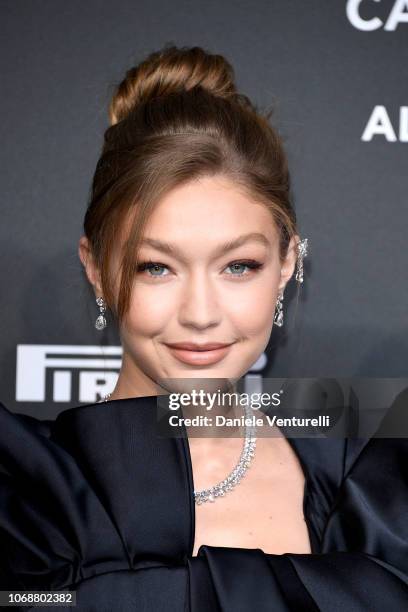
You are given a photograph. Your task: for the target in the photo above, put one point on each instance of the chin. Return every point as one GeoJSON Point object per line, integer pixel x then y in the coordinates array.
{"type": "Point", "coordinates": [184, 378]}
{"type": "Point", "coordinates": [206, 383]}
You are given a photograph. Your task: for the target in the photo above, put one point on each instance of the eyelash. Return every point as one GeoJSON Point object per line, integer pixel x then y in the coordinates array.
{"type": "Point", "coordinates": [253, 265]}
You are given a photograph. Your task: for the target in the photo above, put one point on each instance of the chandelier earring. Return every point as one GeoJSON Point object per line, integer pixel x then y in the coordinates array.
{"type": "Point", "coordinates": [278, 318]}
{"type": "Point", "coordinates": [302, 252]}
{"type": "Point", "coordinates": [100, 322]}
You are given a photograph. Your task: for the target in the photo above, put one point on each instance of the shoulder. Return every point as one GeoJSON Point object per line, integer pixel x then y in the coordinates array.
{"type": "Point", "coordinates": [73, 492]}
{"type": "Point", "coordinates": [17, 430]}
{"type": "Point", "coordinates": [368, 513]}
{"type": "Point", "coordinates": [41, 426]}
{"type": "Point", "coordinates": [45, 529]}
{"type": "Point", "coordinates": [386, 447]}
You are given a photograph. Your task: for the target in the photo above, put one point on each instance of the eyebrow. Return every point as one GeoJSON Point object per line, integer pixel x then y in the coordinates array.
{"type": "Point", "coordinates": [171, 249]}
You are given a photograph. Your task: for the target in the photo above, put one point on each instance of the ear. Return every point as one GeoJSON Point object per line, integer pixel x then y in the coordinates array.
{"type": "Point", "coordinates": [289, 264]}
{"type": "Point", "coordinates": [91, 270]}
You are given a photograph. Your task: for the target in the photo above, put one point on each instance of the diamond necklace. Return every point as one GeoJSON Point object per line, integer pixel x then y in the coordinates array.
{"type": "Point", "coordinates": [237, 473]}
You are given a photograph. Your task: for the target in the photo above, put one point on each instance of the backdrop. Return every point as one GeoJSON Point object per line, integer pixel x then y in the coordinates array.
{"type": "Point", "coordinates": [336, 74]}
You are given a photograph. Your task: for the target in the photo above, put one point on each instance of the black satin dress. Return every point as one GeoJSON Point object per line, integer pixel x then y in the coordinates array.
{"type": "Point", "coordinates": [95, 502]}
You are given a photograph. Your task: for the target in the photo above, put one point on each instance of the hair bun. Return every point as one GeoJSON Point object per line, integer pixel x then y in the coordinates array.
{"type": "Point", "coordinates": [169, 70]}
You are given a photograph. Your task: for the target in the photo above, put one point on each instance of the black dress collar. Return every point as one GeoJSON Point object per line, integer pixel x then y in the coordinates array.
{"type": "Point", "coordinates": [144, 482]}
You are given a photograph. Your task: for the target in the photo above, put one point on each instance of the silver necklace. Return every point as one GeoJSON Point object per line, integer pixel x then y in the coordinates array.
{"type": "Point", "coordinates": [237, 473]}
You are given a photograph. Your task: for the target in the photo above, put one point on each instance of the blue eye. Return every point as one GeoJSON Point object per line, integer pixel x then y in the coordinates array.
{"type": "Point", "coordinates": [152, 266]}
{"type": "Point", "coordinates": [237, 267]}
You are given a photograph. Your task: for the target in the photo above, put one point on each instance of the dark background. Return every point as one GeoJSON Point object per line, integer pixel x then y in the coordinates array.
{"type": "Point", "coordinates": [323, 75]}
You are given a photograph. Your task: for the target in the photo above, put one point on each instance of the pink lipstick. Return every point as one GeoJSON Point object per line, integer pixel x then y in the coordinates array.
{"type": "Point", "coordinates": [199, 354]}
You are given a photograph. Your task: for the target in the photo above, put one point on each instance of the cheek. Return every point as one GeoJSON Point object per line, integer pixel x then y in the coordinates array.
{"type": "Point", "coordinates": [253, 310]}
{"type": "Point", "coordinates": [149, 312]}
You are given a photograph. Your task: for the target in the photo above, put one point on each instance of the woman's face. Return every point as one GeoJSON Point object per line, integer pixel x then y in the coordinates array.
{"type": "Point", "coordinates": [209, 272]}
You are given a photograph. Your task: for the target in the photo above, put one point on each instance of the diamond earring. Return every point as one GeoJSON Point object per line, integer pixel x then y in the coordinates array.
{"type": "Point", "coordinates": [100, 322]}
{"type": "Point", "coordinates": [278, 318]}
{"type": "Point", "coordinates": [302, 252]}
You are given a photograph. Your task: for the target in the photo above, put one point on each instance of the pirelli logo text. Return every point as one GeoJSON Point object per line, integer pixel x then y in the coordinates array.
{"type": "Point", "coordinates": [65, 373]}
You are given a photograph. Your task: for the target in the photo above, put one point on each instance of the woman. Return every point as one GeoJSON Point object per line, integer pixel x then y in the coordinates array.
{"type": "Point", "coordinates": [190, 240]}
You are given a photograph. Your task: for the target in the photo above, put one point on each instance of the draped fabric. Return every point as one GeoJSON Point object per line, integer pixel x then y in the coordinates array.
{"type": "Point", "coordinates": [94, 501]}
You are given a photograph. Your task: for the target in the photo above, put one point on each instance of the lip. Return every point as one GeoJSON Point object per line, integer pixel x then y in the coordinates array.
{"type": "Point", "coordinates": [199, 354]}
{"type": "Point", "coordinates": [196, 346]}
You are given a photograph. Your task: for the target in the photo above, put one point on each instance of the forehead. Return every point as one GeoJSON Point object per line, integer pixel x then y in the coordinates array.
{"type": "Point", "coordinates": [208, 207]}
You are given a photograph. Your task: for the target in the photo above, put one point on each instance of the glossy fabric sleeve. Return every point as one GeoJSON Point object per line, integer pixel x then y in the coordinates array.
{"type": "Point", "coordinates": [243, 580]}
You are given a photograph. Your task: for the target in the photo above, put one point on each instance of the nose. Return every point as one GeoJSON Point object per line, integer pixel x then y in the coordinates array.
{"type": "Point", "coordinates": [199, 305]}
